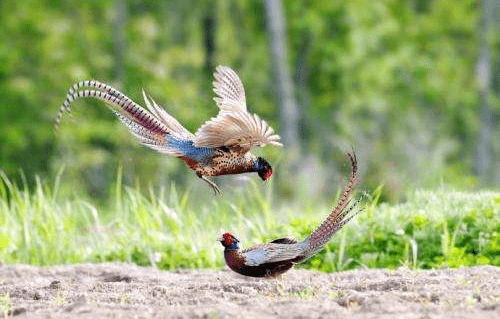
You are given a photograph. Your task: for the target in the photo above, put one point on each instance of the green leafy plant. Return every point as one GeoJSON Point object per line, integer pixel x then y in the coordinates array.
{"type": "Point", "coordinates": [5, 304]}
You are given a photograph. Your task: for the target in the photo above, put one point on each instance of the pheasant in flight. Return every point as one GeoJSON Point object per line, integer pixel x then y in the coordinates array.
{"type": "Point", "coordinates": [278, 256]}
{"type": "Point", "coordinates": [220, 146]}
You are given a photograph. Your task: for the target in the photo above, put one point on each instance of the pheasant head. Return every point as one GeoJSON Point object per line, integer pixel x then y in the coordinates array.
{"type": "Point", "coordinates": [263, 168]}
{"type": "Point", "coordinates": [229, 241]}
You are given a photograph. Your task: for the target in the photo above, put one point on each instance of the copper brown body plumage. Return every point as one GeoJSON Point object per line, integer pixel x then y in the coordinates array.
{"type": "Point", "coordinates": [278, 256]}
{"type": "Point", "coordinates": [220, 146]}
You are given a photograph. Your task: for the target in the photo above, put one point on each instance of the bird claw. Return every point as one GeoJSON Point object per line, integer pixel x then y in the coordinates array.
{"type": "Point", "coordinates": [214, 186]}
{"type": "Point", "coordinates": [216, 189]}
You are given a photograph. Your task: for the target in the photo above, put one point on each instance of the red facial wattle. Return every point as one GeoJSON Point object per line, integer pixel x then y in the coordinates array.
{"type": "Point", "coordinates": [228, 239]}
{"type": "Point", "coordinates": [268, 174]}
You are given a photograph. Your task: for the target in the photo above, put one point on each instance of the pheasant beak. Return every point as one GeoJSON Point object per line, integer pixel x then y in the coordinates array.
{"type": "Point", "coordinates": [220, 238]}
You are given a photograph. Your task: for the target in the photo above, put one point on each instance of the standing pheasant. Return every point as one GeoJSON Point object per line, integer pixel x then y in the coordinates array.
{"type": "Point", "coordinates": [220, 146]}
{"type": "Point", "coordinates": [278, 256]}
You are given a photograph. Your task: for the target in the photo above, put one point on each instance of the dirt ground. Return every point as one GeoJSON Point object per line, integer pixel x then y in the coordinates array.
{"type": "Point", "coordinates": [128, 291]}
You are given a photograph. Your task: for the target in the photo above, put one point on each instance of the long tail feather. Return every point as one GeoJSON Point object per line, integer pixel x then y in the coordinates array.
{"type": "Point", "coordinates": [156, 119]}
{"type": "Point", "coordinates": [150, 139]}
{"type": "Point", "coordinates": [70, 96]}
{"type": "Point", "coordinates": [122, 105]}
{"type": "Point", "coordinates": [345, 210]}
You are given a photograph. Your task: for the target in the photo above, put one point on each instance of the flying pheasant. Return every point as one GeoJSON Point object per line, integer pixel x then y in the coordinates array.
{"type": "Point", "coordinates": [278, 256]}
{"type": "Point", "coordinates": [220, 146]}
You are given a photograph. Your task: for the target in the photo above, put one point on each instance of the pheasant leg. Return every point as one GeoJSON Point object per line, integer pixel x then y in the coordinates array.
{"type": "Point", "coordinates": [214, 186]}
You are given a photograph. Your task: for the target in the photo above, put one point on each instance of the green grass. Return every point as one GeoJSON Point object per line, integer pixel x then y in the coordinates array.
{"type": "Point", "coordinates": [171, 230]}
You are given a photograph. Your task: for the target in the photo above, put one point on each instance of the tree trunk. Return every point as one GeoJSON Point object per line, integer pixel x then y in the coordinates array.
{"type": "Point", "coordinates": [289, 115]}
{"type": "Point", "coordinates": [119, 36]}
{"type": "Point", "coordinates": [302, 78]}
{"type": "Point", "coordinates": [209, 40]}
{"type": "Point", "coordinates": [484, 80]}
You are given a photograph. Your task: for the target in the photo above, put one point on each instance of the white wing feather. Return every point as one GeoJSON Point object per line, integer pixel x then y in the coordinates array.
{"type": "Point", "coordinates": [233, 127]}
{"type": "Point", "coordinates": [268, 253]}
{"type": "Point", "coordinates": [239, 130]}
{"type": "Point", "coordinates": [229, 90]}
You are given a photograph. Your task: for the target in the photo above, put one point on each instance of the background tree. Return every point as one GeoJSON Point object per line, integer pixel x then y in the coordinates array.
{"type": "Point", "coordinates": [289, 114]}
{"type": "Point", "coordinates": [398, 80]}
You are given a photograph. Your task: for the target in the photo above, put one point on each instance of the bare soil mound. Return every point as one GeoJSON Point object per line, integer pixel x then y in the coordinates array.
{"type": "Point", "coordinates": [128, 291]}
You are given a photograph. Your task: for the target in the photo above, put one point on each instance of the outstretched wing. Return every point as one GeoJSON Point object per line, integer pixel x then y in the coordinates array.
{"type": "Point", "coordinates": [240, 131]}
{"type": "Point", "coordinates": [233, 127]}
{"type": "Point", "coordinates": [229, 89]}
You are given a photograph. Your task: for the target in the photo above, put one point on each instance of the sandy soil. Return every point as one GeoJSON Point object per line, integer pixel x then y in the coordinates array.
{"type": "Point", "coordinates": [127, 291]}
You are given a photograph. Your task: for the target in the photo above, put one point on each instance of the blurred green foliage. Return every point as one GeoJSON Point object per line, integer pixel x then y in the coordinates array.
{"type": "Point", "coordinates": [395, 79]}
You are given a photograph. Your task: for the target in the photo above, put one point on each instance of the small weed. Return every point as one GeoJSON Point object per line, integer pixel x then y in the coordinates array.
{"type": "Point", "coordinates": [336, 295]}
{"type": "Point", "coordinates": [59, 299]}
{"type": "Point", "coordinates": [308, 293]}
{"type": "Point", "coordinates": [471, 301]}
{"type": "Point", "coordinates": [214, 315]}
{"type": "Point", "coordinates": [124, 299]}
{"type": "Point", "coordinates": [5, 304]}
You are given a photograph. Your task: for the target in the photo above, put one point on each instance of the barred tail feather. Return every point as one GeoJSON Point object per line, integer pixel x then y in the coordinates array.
{"type": "Point", "coordinates": [345, 210]}
{"type": "Point", "coordinates": [97, 85]}
{"type": "Point", "coordinates": [156, 119]}
{"type": "Point", "coordinates": [124, 106]}
{"type": "Point", "coordinates": [150, 139]}
{"type": "Point", "coordinates": [70, 96]}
